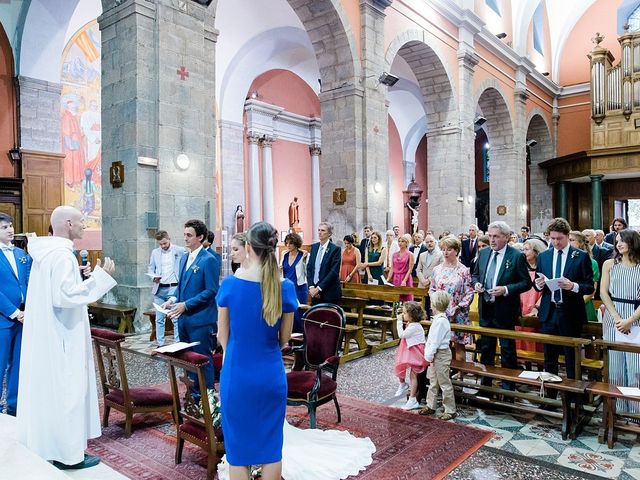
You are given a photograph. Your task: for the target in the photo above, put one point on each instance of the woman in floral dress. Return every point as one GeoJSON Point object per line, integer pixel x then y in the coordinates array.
{"type": "Point", "coordinates": [454, 278]}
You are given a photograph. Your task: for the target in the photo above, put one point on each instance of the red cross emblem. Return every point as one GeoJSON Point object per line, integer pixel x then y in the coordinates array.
{"type": "Point", "coordinates": [182, 72]}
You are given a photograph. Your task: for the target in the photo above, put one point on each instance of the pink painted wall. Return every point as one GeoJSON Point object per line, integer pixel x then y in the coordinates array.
{"type": "Point", "coordinates": [285, 89]}
{"type": "Point", "coordinates": [292, 178]}
{"type": "Point", "coordinates": [352, 9]}
{"type": "Point", "coordinates": [600, 17]}
{"type": "Point", "coordinates": [574, 128]}
{"type": "Point", "coordinates": [421, 179]}
{"type": "Point", "coordinates": [291, 161]}
{"type": "Point", "coordinates": [7, 105]}
{"type": "Point", "coordinates": [396, 171]}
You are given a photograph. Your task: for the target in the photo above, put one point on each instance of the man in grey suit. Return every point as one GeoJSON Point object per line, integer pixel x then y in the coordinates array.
{"type": "Point", "coordinates": [164, 266]}
{"type": "Point", "coordinates": [427, 261]}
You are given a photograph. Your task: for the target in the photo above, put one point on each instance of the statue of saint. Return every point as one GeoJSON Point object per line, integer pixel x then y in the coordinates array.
{"type": "Point", "coordinates": [239, 215]}
{"type": "Point", "coordinates": [294, 213]}
{"type": "Point", "coordinates": [414, 216]}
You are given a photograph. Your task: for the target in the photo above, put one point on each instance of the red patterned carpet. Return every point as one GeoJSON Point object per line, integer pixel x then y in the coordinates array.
{"type": "Point", "coordinates": [409, 446]}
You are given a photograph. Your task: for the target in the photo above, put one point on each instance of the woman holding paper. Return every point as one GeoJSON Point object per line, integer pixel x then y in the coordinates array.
{"type": "Point", "coordinates": [620, 293]}
{"type": "Point", "coordinates": [376, 252]}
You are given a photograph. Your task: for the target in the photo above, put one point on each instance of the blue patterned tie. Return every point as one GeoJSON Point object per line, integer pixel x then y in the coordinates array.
{"type": "Point", "coordinates": [557, 295]}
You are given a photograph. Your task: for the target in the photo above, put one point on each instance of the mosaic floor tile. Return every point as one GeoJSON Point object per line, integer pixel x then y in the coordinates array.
{"type": "Point", "coordinates": [597, 463]}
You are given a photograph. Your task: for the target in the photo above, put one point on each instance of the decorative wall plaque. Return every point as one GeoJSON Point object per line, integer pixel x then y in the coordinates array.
{"type": "Point", "coordinates": [339, 196]}
{"type": "Point", "coordinates": [501, 209]}
{"type": "Point", "coordinates": [116, 174]}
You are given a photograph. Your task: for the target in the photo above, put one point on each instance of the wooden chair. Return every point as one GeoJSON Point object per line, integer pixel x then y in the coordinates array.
{"type": "Point", "coordinates": [324, 325]}
{"type": "Point", "coordinates": [192, 415]}
{"type": "Point", "coordinates": [113, 376]}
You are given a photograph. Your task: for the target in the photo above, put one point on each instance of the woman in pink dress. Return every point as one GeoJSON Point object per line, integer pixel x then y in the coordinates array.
{"type": "Point", "coordinates": [530, 300]}
{"type": "Point", "coordinates": [350, 261]}
{"type": "Point", "coordinates": [454, 278]}
{"type": "Point", "coordinates": [401, 267]}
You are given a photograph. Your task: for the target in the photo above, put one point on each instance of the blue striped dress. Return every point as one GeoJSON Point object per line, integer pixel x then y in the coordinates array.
{"type": "Point", "coordinates": [624, 367]}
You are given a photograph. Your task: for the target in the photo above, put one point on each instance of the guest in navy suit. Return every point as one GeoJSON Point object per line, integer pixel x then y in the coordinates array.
{"type": "Point", "coordinates": [563, 312]}
{"type": "Point", "coordinates": [15, 266]}
{"type": "Point", "coordinates": [195, 304]}
{"type": "Point", "coordinates": [323, 268]}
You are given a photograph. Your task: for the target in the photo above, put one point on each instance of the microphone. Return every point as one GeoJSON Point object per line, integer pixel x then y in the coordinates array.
{"type": "Point", "coordinates": [84, 255]}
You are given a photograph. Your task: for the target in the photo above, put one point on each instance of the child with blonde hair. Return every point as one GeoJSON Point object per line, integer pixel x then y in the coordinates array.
{"type": "Point", "coordinates": [438, 356]}
{"type": "Point", "coordinates": [410, 354]}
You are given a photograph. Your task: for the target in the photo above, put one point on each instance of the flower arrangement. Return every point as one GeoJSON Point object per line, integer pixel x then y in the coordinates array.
{"type": "Point", "coordinates": [23, 260]}
{"type": "Point", "coordinates": [574, 254]}
{"type": "Point", "coordinates": [195, 268]}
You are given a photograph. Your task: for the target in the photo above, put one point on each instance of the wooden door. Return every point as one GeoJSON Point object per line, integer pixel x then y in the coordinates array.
{"type": "Point", "coordinates": [43, 188]}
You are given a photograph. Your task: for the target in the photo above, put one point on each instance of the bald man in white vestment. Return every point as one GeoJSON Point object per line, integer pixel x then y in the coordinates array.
{"type": "Point", "coordinates": [57, 394]}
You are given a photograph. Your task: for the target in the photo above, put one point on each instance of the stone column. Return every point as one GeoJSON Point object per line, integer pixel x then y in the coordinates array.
{"type": "Point", "coordinates": [267, 179]}
{"type": "Point", "coordinates": [39, 115]}
{"type": "Point", "coordinates": [255, 208]}
{"type": "Point", "coordinates": [596, 201]}
{"type": "Point", "coordinates": [316, 205]}
{"type": "Point", "coordinates": [518, 178]}
{"type": "Point", "coordinates": [232, 160]}
{"type": "Point", "coordinates": [465, 173]}
{"type": "Point", "coordinates": [375, 138]}
{"type": "Point", "coordinates": [159, 71]}
{"type": "Point", "coordinates": [563, 200]}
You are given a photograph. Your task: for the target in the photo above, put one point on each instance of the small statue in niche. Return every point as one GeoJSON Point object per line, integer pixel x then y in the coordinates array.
{"type": "Point", "coordinates": [414, 192]}
{"type": "Point", "coordinates": [239, 223]}
{"type": "Point", "coordinates": [294, 214]}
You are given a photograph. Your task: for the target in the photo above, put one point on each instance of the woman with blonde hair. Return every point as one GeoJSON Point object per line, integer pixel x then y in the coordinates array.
{"type": "Point", "coordinates": [255, 316]}
{"type": "Point", "coordinates": [579, 240]}
{"type": "Point", "coordinates": [401, 267]}
{"type": "Point", "coordinates": [373, 261]}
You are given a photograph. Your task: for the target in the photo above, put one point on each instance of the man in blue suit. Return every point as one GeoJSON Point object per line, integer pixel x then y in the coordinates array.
{"type": "Point", "coordinates": [562, 312]}
{"type": "Point", "coordinates": [15, 266]}
{"type": "Point", "coordinates": [195, 302]}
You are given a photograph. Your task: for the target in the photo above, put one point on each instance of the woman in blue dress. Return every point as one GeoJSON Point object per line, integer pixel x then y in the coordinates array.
{"type": "Point", "coordinates": [255, 316]}
{"type": "Point", "coordinates": [296, 271]}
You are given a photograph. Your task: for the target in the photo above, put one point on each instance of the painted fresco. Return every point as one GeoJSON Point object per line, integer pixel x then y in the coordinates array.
{"type": "Point", "coordinates": [80, 126]}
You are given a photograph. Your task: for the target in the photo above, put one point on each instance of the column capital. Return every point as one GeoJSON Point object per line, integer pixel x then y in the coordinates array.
{"type": "Point", "coordinates": [315, 149]}
{"type": "Point", "coordinates": [254, 138]}
{"type": "Point", "coordinates": [521, 95]}
{"type": "Point", "coordinates": [267, 141]}
{"type": "Point", "coordinates": [378, 5]}
{"type": "Point", "coordinates": [468, 59]}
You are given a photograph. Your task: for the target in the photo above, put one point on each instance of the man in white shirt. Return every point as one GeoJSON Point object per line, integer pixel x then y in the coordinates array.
{"type": "Point", "coordinates": [417, 249]}
{"type": "Point", "coordinates": [600, 240]}
{"type": "Point", "coordinates": [164, 265]}
{"type": "Point", "coordinates": [427, 261]}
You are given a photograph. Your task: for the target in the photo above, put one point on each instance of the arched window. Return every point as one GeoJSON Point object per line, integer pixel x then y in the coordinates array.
{"type": "Point", "coordinates": [494, 5]}
{"type": "Point", "coordinates": [634, 20]}
{"type": "Point", "coordinates": [538, 29]}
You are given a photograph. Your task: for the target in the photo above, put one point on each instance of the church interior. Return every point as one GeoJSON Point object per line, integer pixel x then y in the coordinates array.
{"type": "Point", "coordinates": [423, 114]}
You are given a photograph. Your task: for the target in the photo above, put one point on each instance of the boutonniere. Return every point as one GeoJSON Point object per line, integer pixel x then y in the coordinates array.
{"type": "Point", "coordinates": [507, 265]}
{"type": "Point", "coordinates": [23, 260]}
{"type": "Point", "coordinates": [195, 268]}
{"type": "Point", "coordinates": [574, 254]}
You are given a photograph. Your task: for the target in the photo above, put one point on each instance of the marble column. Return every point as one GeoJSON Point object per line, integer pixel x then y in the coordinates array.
{"type": "Point", "coordinates": [596, 201]}
{"type": "Point", "coordinates": [255, 208]}
{"type": "Point", "coordinates": [315, 190]}
{"type": "Point", "coordinates": [267, 179]}
{"type": "Point", "coordinates": [563, 200]}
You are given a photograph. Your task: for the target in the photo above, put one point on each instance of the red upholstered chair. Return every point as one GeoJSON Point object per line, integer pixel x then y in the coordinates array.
{"type": "Point", "coordinates": [113, 376]}
{"type": "Point", "coordinates": [192, 416]}
{"type": "Point", "coordinates": [324, 326]}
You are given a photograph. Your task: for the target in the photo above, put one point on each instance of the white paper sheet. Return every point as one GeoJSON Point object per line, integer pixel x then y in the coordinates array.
{"type": "Point", "coordinates": [160, 309]}
{"type": "Point", "coordinates": [175, 347]}
{"type": "Point", "coordinates": [529, 375]}
{"type": "Point", "coordinates": [388, 283]}
{"type": "Point", "coordinates": [630, 391]}
{"type": "Point", "coordinates": [632, 337]}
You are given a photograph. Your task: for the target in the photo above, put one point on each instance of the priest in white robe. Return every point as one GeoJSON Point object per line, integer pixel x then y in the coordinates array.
{"type": "Point", "coordinates": [57, 393]}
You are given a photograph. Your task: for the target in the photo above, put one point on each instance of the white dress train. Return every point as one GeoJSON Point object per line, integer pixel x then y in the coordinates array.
{"type": "Point", "coordinates": [314, 454]}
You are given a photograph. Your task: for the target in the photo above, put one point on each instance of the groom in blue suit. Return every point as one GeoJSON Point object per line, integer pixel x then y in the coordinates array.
{"type": "Point", "coordinates": [195, 302]}
{"type": "Point", "coordinates": [15, 266]}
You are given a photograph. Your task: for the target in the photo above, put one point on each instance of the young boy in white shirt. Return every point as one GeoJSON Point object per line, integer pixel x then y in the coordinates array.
{"type": "Point", "coordinates": [438, 355]}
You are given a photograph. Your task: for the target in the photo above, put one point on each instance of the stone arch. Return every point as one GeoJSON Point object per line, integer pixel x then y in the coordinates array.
{"type": "Point", "coordinates": [504, 168]}
{"type": "Point", "coordinates": [540, 193]}
{"type": "Point", "coordinates": [333, 41]}
{"type": "Point", "coordinates": [435, 92]}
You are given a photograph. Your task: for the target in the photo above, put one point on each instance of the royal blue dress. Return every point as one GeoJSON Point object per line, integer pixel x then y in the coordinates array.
{"type": "Point", "coordinates": [302, 291]}
{"type": "Point", "coordinates": [253, 383]}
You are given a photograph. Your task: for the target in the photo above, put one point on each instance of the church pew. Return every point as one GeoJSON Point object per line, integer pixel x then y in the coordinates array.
{"type": "Point", "coordinates": [610, 393]}
{"type": "Point", "coordinates": [574, 389]}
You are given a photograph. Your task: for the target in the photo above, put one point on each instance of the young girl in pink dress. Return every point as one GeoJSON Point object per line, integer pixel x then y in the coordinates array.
{"type": "Point", "coordinates": [410, 354]}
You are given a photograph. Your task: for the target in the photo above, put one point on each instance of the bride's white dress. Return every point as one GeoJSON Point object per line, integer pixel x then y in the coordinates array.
{"type": "Point", "coordinates": [314, 454]}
